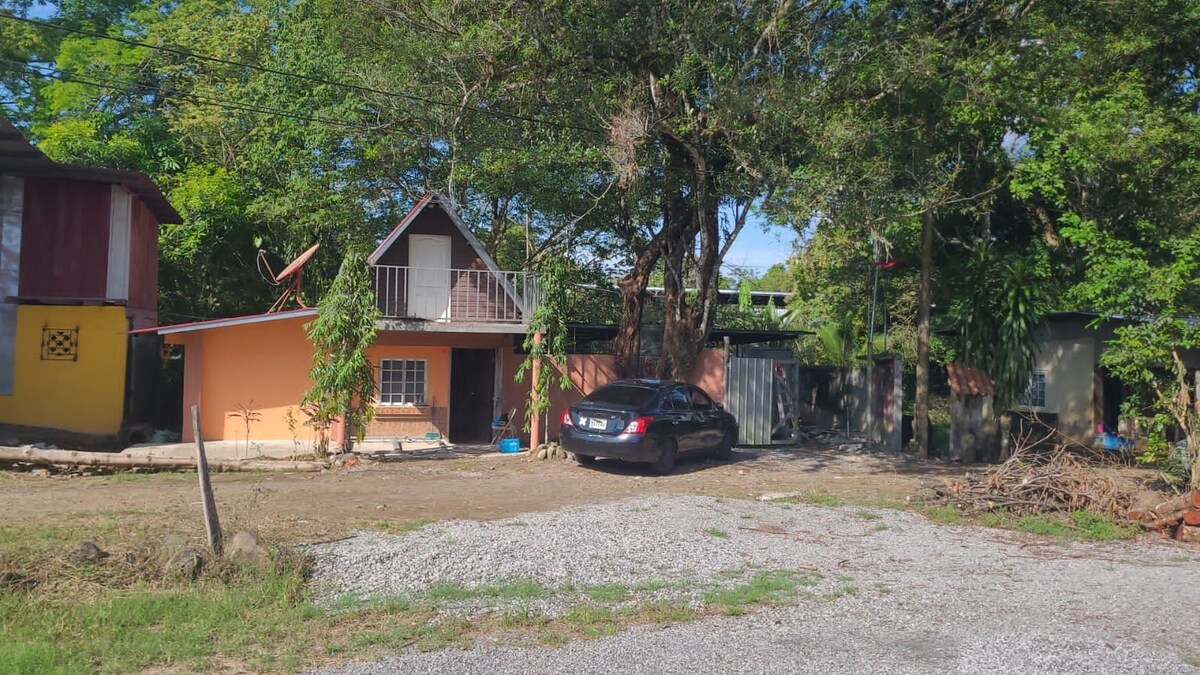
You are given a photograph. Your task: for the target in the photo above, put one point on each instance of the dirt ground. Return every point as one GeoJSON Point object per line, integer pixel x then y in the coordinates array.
{"type": "Point", "coordinates": [311, 506]}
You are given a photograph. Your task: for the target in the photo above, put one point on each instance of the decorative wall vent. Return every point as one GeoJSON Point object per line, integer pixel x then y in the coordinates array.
{"type": "Point", "coordinates": [60, 344]}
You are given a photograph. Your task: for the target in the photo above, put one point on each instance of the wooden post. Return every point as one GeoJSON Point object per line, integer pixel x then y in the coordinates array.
{"type": "Point", "coordinates": [535, 421]}
{"type": "Point", "coordinates": [211, 525]}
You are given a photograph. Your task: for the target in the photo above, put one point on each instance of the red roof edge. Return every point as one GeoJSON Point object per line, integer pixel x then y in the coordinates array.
{"type": "Point", "coordinates": [391, 238]}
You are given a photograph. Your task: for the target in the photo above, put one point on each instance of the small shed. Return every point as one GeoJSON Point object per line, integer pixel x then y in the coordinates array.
{"type": "Point", "coordinates": [974, 433]}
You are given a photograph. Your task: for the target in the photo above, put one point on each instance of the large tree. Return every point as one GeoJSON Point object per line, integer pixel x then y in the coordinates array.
{"type": "Point", "coordinates": [674, 118]}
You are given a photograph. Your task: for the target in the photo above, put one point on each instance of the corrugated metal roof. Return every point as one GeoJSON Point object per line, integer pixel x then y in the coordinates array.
{"type": "Point", "coordinates": [227, 322]}
{"type": "Point", "coordinates": [19, 157]}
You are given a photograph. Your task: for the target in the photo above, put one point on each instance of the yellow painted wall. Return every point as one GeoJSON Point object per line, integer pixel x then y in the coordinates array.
{"type": "Point", "coordinates": [86, 395]}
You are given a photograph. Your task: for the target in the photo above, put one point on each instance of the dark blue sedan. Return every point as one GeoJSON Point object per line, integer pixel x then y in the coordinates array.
{"type": "Point", "coordinates": [652, 421]}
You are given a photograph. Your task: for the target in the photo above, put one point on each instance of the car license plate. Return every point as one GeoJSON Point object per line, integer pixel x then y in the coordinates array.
{"type": "Point", "coordinates": [595, 423]}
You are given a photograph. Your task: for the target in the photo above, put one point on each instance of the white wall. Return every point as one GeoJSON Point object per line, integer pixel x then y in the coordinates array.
{"type": "Point", "coordinates": [1069, 365]}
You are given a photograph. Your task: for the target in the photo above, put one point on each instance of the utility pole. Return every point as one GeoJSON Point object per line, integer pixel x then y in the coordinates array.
{"type": "Point", "coordinates": [921, 432]}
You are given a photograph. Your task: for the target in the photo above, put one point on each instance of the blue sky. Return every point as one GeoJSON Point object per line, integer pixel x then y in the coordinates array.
{"type": "Point", "coordinates": [759, 246]}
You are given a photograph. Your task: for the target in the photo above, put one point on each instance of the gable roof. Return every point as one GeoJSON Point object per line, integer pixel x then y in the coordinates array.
{"type": "Point", "coordinates": [445, 204]}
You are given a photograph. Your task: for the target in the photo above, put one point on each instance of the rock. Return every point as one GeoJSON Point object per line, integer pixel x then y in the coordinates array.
{"type": "Point", "coordinates": [183, 563]}
{"type": "Point", "coordinates": [40, 472]}
{"type": "Point", "coordinates": [850, 447]}
{"type": "Point", "coordinates": [1188, 534]}
{"type": "Point", "coordinates": [245, 547]}
{"type": "Point", "coordinates": [87, 552]}
{"type": "Point", "coordinates": [13, 580]}
{"type": "Point", "coordinates": [1191, 517]}
{"type": "Point", "coordinates": [381, 507]}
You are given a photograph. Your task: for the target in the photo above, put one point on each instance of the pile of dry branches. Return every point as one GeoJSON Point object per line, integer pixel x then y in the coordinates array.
{"type": "Point", "coordinates": [1037, 482]}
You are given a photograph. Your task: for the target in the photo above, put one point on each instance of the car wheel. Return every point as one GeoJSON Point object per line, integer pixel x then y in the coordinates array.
{"type": "Point", "coordinates": [666, 457]}
{"type": "Point", "coordinates": [725, 449]}
{"type": "Point", "coordinates": [583, 460]}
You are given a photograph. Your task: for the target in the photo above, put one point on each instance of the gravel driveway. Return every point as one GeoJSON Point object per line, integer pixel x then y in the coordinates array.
{"type": "Point", "coordinates": [892, 592]}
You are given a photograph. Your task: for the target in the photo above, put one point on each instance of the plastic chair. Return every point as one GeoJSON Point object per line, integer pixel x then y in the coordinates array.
{"type": "Point", "coordinates": [502, 427]}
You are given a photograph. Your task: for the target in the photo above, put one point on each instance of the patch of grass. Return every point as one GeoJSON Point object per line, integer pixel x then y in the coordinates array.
{"type": "Point", "coordinates": [882, 588]}
{"type": "Point", "coordinates": [667, 612]}
{"type": "Point", "coordinates": [392, 526]}
{"type": "Point", "coordinates": [716, 532]}
{"type": "Point", "coordinates": [425, 637]}
{"type": "Point", "coordinates": [523, 618]}
{"type": "Point", "coordinates": [1192, 659]}
{"type": "Point", "coordinates": [1075, 525]}
{"type": "Point", "coordinates": [945, 515]}
{"type": "Point", "coordinates": [823, 499]}
{"type": "Point", "coordinates": [1100, 527]}
{"type": "Point", "coordinates": [258, 618]}
{"type": "Point", "coordinates": [519, 589]}
{"type": "Point", "coordinates": [880, 528]}
{"type": "Point", "coordinates": [552, 638]}
{"type": "Point", "coordinates": [867, 515]}
{"type": "Point", "coordinates": [766, 587]}
{"type": "Point", "coordinates": [591, 620]}
{"type": "Point", "coordinates": [607, 592]}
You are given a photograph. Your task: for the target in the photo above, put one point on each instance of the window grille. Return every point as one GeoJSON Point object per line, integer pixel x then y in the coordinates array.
{"type": "Point", "coordinates": [403, 381]}
{"type": "Point", "coordinates": [1035, 393]}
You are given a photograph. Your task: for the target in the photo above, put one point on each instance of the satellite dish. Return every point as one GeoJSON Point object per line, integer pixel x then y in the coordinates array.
{"type": "Point", "coordinates": [296, 264]}
{"type": "Point", "coordinates": [295, 272]}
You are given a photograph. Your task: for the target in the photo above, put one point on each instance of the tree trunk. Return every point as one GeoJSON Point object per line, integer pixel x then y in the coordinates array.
{"type": "Point", "coordinates": [921, 423]}
{"type": "Point", "coordinates": [688, 321]}
{"type": "Point", "coordinates": [627, 345]}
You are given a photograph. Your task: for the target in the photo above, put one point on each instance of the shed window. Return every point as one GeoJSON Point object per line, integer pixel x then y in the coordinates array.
{"type": "Point", "coordinates": [403, 381]}
{"type": "Point", "coordinates": [1035, 393]}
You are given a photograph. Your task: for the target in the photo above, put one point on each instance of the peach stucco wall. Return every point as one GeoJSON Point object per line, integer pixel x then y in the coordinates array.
{"type": "Point", "coordinates": [263, 366]}
{"type": "Point", "coordinates": [589, 371]}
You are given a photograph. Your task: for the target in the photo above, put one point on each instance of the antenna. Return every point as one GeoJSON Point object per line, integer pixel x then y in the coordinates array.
{"type": "Point", "coordinates": [295, 272]}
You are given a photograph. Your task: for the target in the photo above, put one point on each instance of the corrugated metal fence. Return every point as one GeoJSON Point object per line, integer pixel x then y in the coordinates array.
{"type": "Point", "coordinates": [749, 395]}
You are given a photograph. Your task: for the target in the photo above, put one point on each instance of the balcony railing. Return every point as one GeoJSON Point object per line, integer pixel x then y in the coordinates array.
{"type": "Point", "coordinates": [449, 295]}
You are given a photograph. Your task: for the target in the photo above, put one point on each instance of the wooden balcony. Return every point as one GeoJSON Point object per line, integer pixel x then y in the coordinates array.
{"type": "Point", "coordinates": [418, 298]}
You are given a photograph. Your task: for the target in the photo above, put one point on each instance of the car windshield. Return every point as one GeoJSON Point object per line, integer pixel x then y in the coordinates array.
{"type": "Point", "coordinates": [622, 394]}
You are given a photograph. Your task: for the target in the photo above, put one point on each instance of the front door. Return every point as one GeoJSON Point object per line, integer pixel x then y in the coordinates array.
{"type": "Point", "coordinates": [472, 388]}
{"type": "Point", "coordinates": [429, 276]}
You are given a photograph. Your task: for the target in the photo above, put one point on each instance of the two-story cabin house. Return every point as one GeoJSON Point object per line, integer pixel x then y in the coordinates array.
{"type": "Point", "coordinates": [445, 354]}
{"type": "Point", "coordinates": [78, 272]}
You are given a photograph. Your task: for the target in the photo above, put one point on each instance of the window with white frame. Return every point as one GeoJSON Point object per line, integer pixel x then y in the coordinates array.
{"type": "Point", "coordinates": [1035, 392]}
{"type": "Point", "coordinates": [403, 381]}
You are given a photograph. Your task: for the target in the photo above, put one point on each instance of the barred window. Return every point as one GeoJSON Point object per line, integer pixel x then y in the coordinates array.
{"type": "Point", "coordinates": [1035, 393]}
{"type": "Point", "coordinates": [402, 381]}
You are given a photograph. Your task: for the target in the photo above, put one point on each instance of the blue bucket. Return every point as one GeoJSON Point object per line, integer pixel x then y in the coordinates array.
{"type": "Point", "coordinates": [510, 445]}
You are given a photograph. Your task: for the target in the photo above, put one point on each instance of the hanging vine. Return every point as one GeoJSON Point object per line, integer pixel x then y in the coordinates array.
{"type": "Point", "coordinates": [549, 320]}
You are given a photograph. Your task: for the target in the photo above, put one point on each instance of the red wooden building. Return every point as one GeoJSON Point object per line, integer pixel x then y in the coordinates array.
{"type": "Point", "coordinates": [78, 271]}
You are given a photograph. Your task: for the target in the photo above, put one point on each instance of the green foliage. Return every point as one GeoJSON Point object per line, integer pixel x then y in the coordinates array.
{"type": "Point", "coordinates": [546, 337]}
{"type": "Point", "coordinates": [342, 379]}
{"type": "Point", "coordinates": [998, 310]}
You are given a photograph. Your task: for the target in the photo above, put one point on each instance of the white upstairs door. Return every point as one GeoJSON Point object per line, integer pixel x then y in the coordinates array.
{"type": "Point", "coordinates": [429, 276]}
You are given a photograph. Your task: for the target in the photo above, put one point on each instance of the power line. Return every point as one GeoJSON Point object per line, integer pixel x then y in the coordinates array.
{"type": "Point", "coordinates": [139, 89]}
{"type": "Point", "coordinates": [309, 78]}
